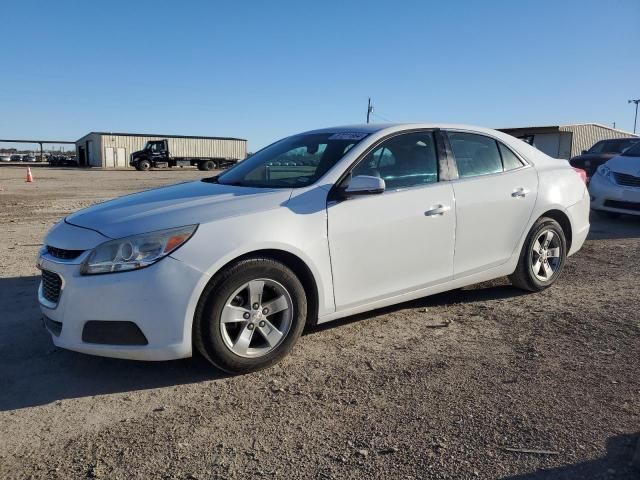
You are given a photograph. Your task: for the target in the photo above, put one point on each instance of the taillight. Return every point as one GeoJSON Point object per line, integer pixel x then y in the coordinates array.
{"type": "Point", "coordinates": [582, 173]}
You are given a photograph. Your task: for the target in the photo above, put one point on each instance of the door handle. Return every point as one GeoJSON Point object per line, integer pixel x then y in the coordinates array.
{"type": "Point", "coordinates": [437, 210]}
{"type": "Point", "coordinates": [519, 193]}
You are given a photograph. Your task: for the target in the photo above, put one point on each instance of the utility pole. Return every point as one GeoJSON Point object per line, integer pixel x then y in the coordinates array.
{"type": "Point", "coordinates": [370, 109]}
{"type": "Point", "coordinates": [635, 121]}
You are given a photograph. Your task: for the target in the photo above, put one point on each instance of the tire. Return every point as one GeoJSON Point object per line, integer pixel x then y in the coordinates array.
{"type": "Point", "coordinates": [531, 275]}
{"type": "Point", "coordinates": [144, 165]}
{"type": "Point", "coordinates": [208, 165]}
{"type": "Point", "coordinates": [607, 214]}
{"type": "Point", "coordinates": [270, 335]}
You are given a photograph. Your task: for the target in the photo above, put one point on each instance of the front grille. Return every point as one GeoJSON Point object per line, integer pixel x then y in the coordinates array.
{"type": "Point", "coordinates": [51, 285]}
{"type": "Point", "coordinates": [63, 254]}
{"type": "Point", "coordinates": [622, 205]}
{"type": "Point", "coordinates": [626, 180]}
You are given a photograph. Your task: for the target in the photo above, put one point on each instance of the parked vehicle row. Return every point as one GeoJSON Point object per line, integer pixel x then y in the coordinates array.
{"type": "Point", "coordinates": [312, 228]}
{"type": "Point", "coordinates": [18, 158]}
{"type": "Point", "coordinates": [63, 161]}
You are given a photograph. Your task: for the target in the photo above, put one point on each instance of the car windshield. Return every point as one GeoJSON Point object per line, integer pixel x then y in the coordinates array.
{"type": "Point", "coordinates": [633, 151]}
{"type": "Point", "coordinates": [611, 146]}
{"type": "Point", "coordinates": [293, 162]}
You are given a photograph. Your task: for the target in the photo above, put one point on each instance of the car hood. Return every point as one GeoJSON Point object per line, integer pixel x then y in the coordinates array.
{"type": "Point", "coordinates": [623, 164]}
{"type": "Point", "coordinates": [176, 205]}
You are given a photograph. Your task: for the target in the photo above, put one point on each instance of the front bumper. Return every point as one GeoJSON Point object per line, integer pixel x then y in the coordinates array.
{"type": "Point", "coordinates": [157, 299]}
{"type": "Point", "coordinates": [607, 196]}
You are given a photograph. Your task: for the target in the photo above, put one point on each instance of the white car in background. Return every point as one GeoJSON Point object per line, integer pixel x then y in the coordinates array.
{"type": "Point", "coordinates": [314, 227]}
{"type": "Point", "coordinates": [5, 158]}
{"type": "Point", "coordinates": [615, 188]}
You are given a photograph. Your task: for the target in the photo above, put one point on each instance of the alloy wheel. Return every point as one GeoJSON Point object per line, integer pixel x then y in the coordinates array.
{"type": "Point", "coordinates": [545, 255]}
{"type": "Point", "coordinates": [256, 318]}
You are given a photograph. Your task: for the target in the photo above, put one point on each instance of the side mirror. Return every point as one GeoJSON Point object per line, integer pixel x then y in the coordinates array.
{"type": "Point", "coordinates": [364, 185]}
{"type": "Point", "coordinates": [583, 152]}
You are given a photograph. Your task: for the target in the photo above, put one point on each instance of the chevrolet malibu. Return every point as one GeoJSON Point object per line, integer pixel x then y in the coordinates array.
{"type": "Point", "coordinates": [312, 228]}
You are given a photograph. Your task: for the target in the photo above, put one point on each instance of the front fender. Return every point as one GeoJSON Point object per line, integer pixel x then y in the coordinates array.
{"type": "Point", "coordinates": [218, 243]}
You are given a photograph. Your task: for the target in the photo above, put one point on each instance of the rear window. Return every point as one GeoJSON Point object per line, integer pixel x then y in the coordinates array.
{"type": "Point", "coordinates": [475, 154]}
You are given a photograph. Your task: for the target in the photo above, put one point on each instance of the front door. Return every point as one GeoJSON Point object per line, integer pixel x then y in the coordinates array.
{"type": "Point", "coordinates": [495, 196]}
{"type": "Point", "coordinates": [398, 241]}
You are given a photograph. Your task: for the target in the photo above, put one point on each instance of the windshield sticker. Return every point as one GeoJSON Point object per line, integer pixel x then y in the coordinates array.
{"type": "Point", "coordinates": [348, 136]}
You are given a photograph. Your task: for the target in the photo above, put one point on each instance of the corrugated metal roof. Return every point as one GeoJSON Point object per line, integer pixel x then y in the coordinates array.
{"type": "Point", "coordinates": [118, 134]}
{"type": "Point", "coordinates": [567, 128]}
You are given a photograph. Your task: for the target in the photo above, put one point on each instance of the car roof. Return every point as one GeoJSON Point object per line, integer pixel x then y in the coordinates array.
{"type": "Point", "coordinates": [531, 153]}
{"type": "Point", "coordinates": [378, 127]}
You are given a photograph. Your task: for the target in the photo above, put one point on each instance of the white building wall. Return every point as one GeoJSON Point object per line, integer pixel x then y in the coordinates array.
{"type": "Point", "coordinates": [107, 150]}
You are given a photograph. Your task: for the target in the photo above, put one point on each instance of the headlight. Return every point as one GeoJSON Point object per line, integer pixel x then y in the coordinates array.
{"type": "Point", "coordinates": [135, 252]}
{"type": "Point", "coordinates": [604, 171]}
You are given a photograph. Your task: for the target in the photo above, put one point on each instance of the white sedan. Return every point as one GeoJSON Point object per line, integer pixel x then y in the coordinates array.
{"type": "Point", "coordinates": [615, 188]}
{"type": "Point", "coordinates": [314, 227]}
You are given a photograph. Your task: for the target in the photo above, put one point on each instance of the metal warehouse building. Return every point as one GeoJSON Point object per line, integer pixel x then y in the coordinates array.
{"type": "Point", "coordinates": [112, 150]}
{"type": "Point", "coordinates": [566, 141]}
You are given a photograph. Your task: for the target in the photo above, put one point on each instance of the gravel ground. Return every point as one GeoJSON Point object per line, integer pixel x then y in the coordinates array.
{"type": "Point", "coordinates": [381, 395]}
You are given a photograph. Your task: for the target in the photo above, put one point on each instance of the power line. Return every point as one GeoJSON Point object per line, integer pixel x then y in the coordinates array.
{"type": "Point", "coordinates": [382, 118]}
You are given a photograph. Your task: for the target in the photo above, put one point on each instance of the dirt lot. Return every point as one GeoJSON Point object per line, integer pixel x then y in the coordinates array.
{"type": "Point", "coordinates": [375, 396]}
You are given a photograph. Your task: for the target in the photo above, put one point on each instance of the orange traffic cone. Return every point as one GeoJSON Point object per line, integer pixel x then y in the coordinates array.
{"type": "Point", "coordinates": [29, 176]}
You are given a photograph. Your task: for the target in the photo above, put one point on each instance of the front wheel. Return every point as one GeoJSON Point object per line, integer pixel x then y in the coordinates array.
{"type": "Point", "coordinates": [250, 316]}
{"type": "Point", "coordinates": [144, 165]}
{"type": "Point", "coordinates": [542, 257]}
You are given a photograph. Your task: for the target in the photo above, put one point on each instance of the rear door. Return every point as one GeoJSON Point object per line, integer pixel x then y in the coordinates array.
{"type": "Point", "coordinates": [495, 195]}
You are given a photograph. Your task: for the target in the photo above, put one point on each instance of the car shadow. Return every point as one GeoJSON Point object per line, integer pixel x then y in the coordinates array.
{"type": "Point", "coordinates": [35, 372]}
{"type": "Point", "coordinates": [615, 464]}
{"type": "Point", "coordinates": [493, 290]}
{"type": "Point", "coordinates": [602, 228]}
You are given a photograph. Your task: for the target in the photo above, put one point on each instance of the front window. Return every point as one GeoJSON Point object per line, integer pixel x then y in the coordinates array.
{"type": "Point", "coordinates": [153, 146]}
{"type": "Point", "coordinates": [403, 161]}
{"type": "Point", "coordinates": [293, 162]}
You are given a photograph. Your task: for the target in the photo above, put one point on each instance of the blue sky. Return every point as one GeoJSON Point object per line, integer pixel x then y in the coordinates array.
{"type": "Point", "coordinates": [263, 70]}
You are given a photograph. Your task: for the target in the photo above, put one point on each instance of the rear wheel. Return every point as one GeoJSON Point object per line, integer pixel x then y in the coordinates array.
{"type": "Point", "coordinates": [250, 316]}
{"type": "Point", "coordinates": [208, 165]}
{"type": "Point", "coordinates": [542, 258]}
